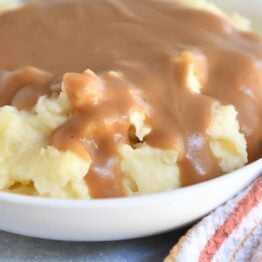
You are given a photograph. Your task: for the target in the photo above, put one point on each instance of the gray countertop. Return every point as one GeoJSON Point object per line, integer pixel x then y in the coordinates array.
{"type": "Point", "coordinates": [20, 248]}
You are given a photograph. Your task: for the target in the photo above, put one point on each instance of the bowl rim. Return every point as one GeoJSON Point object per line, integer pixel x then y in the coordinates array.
{"type": "Point", "coordinates": [123, 201]}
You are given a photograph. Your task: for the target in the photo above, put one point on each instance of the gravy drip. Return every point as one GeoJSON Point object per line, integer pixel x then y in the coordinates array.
{"type": "Point", "coordinates": [141, 41]}
{"type": "Point", "coordinates": [98, 126]}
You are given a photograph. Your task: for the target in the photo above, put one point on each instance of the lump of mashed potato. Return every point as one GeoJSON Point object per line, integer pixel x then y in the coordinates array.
{"type": "Point", "coordinates": [9, 5]}
{"type": "Point", "coordinates": [226, 142]}
{"type": "Point", "coordinates": [25, 157]}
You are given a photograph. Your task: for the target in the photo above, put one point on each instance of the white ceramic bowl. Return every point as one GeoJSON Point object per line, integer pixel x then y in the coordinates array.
{"type": "Point", "coordinates": [116, 219]}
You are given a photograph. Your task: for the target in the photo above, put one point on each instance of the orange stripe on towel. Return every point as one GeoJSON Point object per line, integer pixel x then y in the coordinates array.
{"type": "Point", "coordinates": [243, 208]}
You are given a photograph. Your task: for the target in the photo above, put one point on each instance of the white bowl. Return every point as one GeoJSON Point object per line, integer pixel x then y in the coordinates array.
{"type": "Point", "coordinates": [115, 219]}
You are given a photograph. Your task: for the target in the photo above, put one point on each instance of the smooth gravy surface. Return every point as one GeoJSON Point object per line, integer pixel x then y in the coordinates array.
{"type": "Point", "coordinates": [141, 42]}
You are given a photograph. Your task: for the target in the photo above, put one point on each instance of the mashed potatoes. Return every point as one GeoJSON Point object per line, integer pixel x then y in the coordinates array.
{"type": "Point", "coordinates": [25, 158]}
{"type": "Point", "coordinates": [29, 166]}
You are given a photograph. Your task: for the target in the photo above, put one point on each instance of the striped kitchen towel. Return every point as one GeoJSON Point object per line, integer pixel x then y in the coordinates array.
{"type": "Point", "coordinates": [232, 232]}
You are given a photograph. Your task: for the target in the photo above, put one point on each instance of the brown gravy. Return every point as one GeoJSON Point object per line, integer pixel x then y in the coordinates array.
{"type": "Point", "coordinates": [140, 40]}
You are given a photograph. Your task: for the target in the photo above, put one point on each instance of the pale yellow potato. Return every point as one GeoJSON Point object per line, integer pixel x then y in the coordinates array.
{"type": "Point", "coordinates": [195, 70]}
{"type": "Point", "coordinates": [52, 112]}
{"type": "Point", "coordinates": [26, 159]}
{"type": "Point", "coordinates": [149, 170]}
{"type": "Point", "coordinates": [73, 190]}
{"type": "Point", "coordinates": [225, 140]}
{"type": "Point", "coordinates": [137, 120]}
{"type": "Point", "coordinates": [6, 5]}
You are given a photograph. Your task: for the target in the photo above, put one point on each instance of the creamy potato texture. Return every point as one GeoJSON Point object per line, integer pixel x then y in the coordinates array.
{"type": "Point", "coordinates": [28, 165]}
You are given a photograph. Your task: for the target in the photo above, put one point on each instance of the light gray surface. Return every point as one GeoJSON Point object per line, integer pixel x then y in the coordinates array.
{"type": "Point", "coordinates": [19, 248]}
